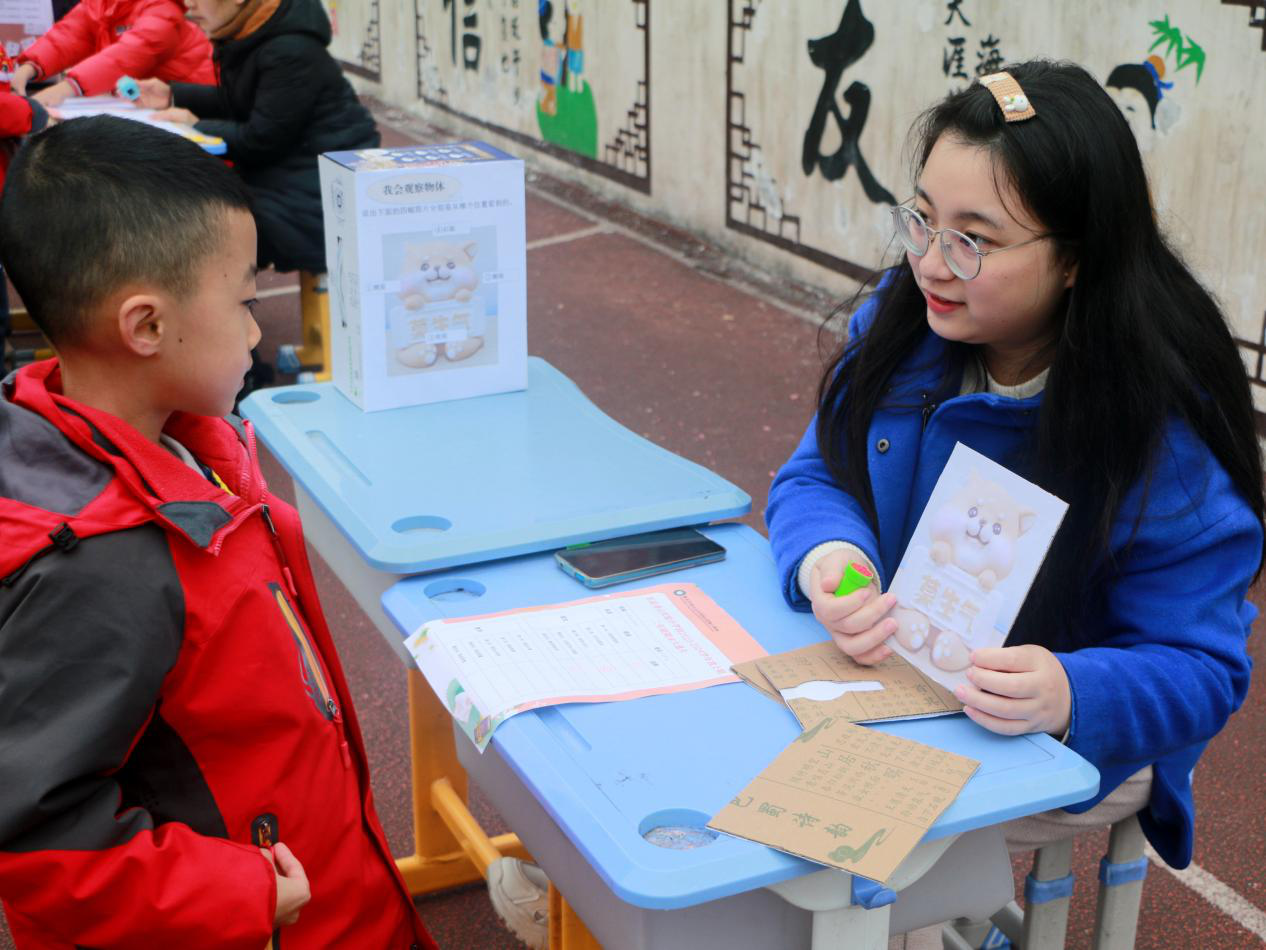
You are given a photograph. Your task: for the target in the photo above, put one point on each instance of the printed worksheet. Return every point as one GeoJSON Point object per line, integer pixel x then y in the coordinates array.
{"type": "Point", "coordinates": [79, 107]}
{"type": "Point", "coordinates": [847, 796]}
{"type": "Point", "coordinates": [661, 639]}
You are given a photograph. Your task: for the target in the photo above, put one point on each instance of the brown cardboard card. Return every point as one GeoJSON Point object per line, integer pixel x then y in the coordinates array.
{"type": "Point", "coordinates": [821, 680]}
{"type": "Point", "coordinates": [750, 674]}
{"type": "Point", "coordinates": [849, 797]}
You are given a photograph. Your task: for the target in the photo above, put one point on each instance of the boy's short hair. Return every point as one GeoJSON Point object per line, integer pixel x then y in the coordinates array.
{"type": "Point", "coordinates": [94, 204]}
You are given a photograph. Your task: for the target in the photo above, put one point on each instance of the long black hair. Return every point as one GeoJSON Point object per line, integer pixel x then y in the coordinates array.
{"type": "Point", "coordinates": [1138, 339]}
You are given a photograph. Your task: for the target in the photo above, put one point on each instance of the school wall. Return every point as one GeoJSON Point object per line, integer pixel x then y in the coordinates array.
{"type": "Point", "coordinates": [776, 128]}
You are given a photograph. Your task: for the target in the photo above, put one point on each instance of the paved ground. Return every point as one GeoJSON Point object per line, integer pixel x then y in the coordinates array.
{"type": "Point", "coordinates": [719, 365]}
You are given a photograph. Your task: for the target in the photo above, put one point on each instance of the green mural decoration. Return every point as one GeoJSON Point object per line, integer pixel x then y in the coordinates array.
{"type": "Point", "coordinates": [1186, 51]}
{"type": "Point", "coordinates": [565, 112]}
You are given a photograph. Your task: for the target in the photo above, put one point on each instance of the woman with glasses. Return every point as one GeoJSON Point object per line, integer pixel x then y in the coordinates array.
{"type": "Point", "coordinates": [1037, 315]}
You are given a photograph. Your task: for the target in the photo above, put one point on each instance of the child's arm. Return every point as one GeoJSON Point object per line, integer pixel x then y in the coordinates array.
{"type": "Point", "coordinates": [70, 40]}
{"type": "Point", "coordinates": [153, 38]}
{"type": "Point", "coordinates": [20, 116]}
{"type": "Point", "coordinates": [85, 643]}
{"type": "Point", "coordinates": [285, 97]}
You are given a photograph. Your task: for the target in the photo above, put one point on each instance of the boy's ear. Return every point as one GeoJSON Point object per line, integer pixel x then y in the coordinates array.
{"type": "Point", "coordinates": [140, 324]}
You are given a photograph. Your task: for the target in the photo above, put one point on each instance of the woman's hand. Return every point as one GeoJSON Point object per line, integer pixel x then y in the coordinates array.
{"type": "Point", "coordinates": [857, 622]}
{"type": "Point", "coordinates": [1017, 690]}
{"type": "Point", "coordinates": [155, 94]}
{"type": "Point", "coordinates": [179, 116]}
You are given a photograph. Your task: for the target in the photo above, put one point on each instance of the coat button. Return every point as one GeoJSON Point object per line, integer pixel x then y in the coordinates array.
{"type": "Point", "coordinates": [882, 445]}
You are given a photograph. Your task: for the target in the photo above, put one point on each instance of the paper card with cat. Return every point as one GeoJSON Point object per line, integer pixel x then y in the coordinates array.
{"type": "Point", "coordinates": [970, 563]}
{"type": "Point", "coordinates": [820, 681]}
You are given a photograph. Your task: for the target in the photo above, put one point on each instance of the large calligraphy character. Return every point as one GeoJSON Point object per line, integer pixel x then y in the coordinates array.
{"type": "Point", "coordinates": [833, 54]}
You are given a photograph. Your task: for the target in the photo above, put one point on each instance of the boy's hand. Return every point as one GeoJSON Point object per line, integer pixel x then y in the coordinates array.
{"type": "Point", "coordinates": [55, 94]}
{"type": "Point", "coordinates": [179, 116]}
{"type": "Point", "coordinates": [21, 76]}
{"type": "Point", "coordinates": [292, 884]}
{"type": "Point", "coordinates": [155, 94]}
{"type": "Point", "coordinates": [856, 622]}
{"type": "Point", "coordinates": [1017, 690]}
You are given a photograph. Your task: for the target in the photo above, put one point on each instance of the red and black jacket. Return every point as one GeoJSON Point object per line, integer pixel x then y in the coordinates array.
{"type": "Point", "coordinates": [170, 698]}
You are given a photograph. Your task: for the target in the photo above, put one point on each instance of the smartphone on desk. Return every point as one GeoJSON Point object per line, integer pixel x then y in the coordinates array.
{"type": "Point", "coordinates": [640, 555]}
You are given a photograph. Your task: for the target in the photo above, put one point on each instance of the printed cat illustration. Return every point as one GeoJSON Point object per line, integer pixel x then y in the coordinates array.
{"type": "Point", "coordinates": [976, 531]}
{"type": "Point", "coordinates": [438, 272]}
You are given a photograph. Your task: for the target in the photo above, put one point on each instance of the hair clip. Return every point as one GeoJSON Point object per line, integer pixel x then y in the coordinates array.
{"type": "Point", "coordinates": [1010, 97]}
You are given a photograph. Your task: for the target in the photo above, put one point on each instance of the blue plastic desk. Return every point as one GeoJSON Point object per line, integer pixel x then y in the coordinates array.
{"type": "Point", "coordinates": [605, 773]}
{"type": "Point", "coordinates": [389, 494]}
{"type": "Point", "coordinates": [452, 483]}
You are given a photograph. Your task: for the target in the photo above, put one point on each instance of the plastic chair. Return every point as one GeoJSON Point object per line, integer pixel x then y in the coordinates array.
{"type": "Point", "coordinates": [311, 357]}
{"type": "Point", "coordinates": [1048, 889]}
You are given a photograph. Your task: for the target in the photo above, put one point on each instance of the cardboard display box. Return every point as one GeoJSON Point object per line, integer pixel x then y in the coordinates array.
{"type": "Point", "coordinates": [427, 264]}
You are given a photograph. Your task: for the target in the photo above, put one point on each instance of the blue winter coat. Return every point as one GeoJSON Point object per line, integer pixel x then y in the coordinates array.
{"type": "Point", "coordinates": [1169, 664]}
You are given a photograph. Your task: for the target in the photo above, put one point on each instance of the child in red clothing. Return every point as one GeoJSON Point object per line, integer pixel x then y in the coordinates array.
{"type": "Point", "coordinates": [100, 41]}
{"type": "Point", "coordinates": [181, 765]}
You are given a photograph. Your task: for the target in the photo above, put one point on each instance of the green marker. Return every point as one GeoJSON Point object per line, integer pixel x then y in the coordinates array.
{"type": "Point", "coordinates": [856, 576]}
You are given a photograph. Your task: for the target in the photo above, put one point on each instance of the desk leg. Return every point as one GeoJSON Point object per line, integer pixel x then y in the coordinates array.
{"type": "Point", "coordinates": [566, 930]}
{"type": "Point", "coordinates": [437, 862]}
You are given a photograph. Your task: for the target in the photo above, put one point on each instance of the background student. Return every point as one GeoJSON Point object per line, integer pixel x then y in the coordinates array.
{"type": "Point", "coordinates": [281, 101]}
{"type": "Point", "coordinates": [99, 41]}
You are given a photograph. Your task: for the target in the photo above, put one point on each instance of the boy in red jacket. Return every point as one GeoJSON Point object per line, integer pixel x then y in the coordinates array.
{"type": "Point", "coordinates": [171, 706]}
{"type": "Point", "coordinates": [100, 41]}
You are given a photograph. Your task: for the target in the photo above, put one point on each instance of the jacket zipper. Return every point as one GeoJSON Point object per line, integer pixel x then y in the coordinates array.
{"type": "Point", "coordinates": [281, 554]}
{"type": "Point", "coordinates": [327, 695]}
{"type": "Point", "coordinates": [309, 654]}
{"type": "Point", "coordinates": [928, 409]}
{"type": "Point", "coordinates": [265, 833]}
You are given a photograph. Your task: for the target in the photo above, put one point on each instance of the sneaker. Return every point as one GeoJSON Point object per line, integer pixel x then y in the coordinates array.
{"type": "Point", "coordinates": [520, 895]}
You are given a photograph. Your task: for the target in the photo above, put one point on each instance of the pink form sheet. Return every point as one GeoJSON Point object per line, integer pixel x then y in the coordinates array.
{"type": "Point", "coordinates": [644, 642]}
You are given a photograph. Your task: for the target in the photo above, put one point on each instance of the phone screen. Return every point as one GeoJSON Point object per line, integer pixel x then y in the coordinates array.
{"type": "Point", "coordinates": [638, 552]}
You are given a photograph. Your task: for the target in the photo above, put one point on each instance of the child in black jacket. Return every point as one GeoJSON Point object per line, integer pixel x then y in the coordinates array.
{"type": "Point", "coordinates": [281, 101]}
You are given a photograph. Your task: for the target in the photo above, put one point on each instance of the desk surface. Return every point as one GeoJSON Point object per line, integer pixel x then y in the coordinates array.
{"type": "Point", "coordinates": [607, 772]}
{"type": "Point", "coordinates": [470, 480]}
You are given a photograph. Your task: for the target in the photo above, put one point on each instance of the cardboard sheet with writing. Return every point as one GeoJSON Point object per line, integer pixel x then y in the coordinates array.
{"type": "Point", "coordinates": [820, 680]}
{"type": "Point", "coordinates": [849, 797]}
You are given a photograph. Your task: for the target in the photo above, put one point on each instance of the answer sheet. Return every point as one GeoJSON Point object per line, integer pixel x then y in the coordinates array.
{"type": "Point", "coordinates": [661, 639]}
